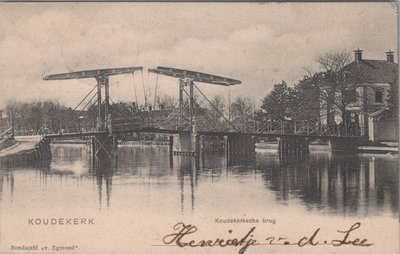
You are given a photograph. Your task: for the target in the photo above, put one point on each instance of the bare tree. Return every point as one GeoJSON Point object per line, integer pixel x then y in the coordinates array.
{"type": "Point", "coordinates": [242, 109]}
{"type": "Point", "coordinates": [165, 102]}
{"type": "Point", "coordinates": [333, 61]}
{"type": "Point", "coordinates": [217, 108]}
{"type": "Point", "coordinates": [337, 86]}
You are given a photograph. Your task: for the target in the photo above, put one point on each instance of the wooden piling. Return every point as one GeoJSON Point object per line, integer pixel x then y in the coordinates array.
{"type": "Point", "coordinates": [171, 145]}
{"type": "Point", "coordinates": [293, 147]}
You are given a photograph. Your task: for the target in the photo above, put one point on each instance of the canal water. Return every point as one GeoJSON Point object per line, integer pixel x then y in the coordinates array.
{"type": "Point", "coordinates": [137, 199]}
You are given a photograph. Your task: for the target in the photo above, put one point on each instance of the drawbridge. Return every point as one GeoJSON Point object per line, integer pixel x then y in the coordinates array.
{"type": "Point", "coordinates": [102, 121]}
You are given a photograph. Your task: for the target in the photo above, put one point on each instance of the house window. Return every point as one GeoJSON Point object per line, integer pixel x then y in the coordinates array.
{"type": "Point", "coordinates": [379, 96]}
{"type": "Point", "coordinates": [354, 118]}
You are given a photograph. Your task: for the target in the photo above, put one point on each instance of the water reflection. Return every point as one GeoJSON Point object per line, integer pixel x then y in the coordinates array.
{"type": "Point", "coordinates": [7, 180]}
{"type": "Point", "coordinates": [77, 162]}
{"type": "Point", "coordinates": [335, 183]}
{"type": "Point", "coordinates": [344, 185]}
{"type": "Point", "coordinates": [103, 171]}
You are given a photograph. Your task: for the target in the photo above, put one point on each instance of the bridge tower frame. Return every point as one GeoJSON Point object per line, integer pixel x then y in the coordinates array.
{"type": "Point", "coordinates": [188, 143]}
{"type": "Point", "coordinates": [182, 83]}
{"type": "Point", "coordinates": [102, 78]}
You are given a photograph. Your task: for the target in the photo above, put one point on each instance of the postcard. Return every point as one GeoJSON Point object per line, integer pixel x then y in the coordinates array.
{"type": "Point", "coordinates": [199, 127]}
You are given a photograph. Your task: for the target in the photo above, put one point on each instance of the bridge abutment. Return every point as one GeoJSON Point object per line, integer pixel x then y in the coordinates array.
{"type": "Point", "coordinates": [239, 148]}
{"type": "Point", "coordinates": [190, 144]}
{"type": "Point", "coordinates": [240, 144]}
{"type": "Point", "coordinates": [293, 146]}
{"type": "Point", "coordinates": [186, 144]}
{"type": "Point", "coordinates": [104, 146]}
{"type": "Point", "coordinates": [343, 145]}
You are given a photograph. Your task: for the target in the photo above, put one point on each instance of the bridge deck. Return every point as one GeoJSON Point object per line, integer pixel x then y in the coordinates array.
{"type": "Point", "coordinates": [205, 133]}
{"type": "Point", "coordinates": [75, 134]}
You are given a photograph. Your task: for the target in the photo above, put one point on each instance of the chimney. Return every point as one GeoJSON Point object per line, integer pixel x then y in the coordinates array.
{"type": "Point", "coordinates": [390, 56]}
{"type": "Point", "coordinates": [358, 55]}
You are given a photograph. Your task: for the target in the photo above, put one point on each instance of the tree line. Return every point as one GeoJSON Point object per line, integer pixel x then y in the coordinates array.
{"type": "Point", "coordinates": [316, 96]}
{"type": "Point", "coordinates": [29, 117]}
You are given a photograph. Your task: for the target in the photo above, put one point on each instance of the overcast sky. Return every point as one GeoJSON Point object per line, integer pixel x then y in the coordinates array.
{"type": "Point", "coordinates": [259, 44]}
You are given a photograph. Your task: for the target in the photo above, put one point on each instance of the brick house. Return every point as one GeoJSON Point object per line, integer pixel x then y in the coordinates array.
{"type": "Point", "coordinates": [369, 83]}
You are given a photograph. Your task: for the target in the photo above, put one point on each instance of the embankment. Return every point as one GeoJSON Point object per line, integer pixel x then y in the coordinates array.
{"type": "Point", "coordinates": [25, 151]}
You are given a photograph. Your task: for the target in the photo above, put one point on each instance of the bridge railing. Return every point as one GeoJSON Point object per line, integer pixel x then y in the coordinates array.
{"type": "Point", "coordinates": [305, 128]}
{"type": "Point", "coordinates": [6, 133]}
{"type": "Point", "coordinates": [133, 123]}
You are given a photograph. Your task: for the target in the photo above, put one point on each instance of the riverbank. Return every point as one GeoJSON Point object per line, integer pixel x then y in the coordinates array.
{"type": "Point", "coordinates": [274, 146]}
{"type": "Point", "coordinates": [325, 148]}
{"type": "Point", "coordinates": [18, 145]}
{"type": "Point", "coordinates": [27, 144]}
{"type": "Point", "coordinates": [6, 143]}
{"type": "Point", "coordinates": [259, 146]}
{"type": "Point", "coordinates": [25, 150]}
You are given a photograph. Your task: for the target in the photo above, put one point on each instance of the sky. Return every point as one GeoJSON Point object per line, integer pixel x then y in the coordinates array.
{"type": "Point", "coordinates": [257, 43]}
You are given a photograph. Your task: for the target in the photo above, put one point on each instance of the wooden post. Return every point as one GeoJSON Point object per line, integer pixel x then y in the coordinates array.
{"type": "Point", "coordinates": [198, 149]}
{"type": "Point", "coordinates": [181, 87]}
{"type": "Point", "coordinates": [279, 139]}
{"type": "Point", "coordinates": [107, 96]}
{"type": "Point", "coordinates": [93, 148]}
{"type": "Point", "coordinates": [230, 145]}
{"type": "Point", "coordinates": [191, 105]}
{"type": "Point", "coordinates": [171, 145]}
{"type": "Point", "coordinates": [254, 140]}
{"type": "Point", "coordinates": [114, 144]}
{"type": "Point", "coordinates": [99, 118]}
{"type": "Point", "coordinates": [307, 146]}
{"type": "Point", "coordinates": [201, 144]}
{"type": "Point", "coordinates": [226, 140]}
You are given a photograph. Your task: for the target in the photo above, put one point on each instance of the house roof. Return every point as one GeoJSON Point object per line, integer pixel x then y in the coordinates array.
{"type": "Point", "coordinates": [378, 112]}
{"type": "Point", "coordinates": [371, 71]}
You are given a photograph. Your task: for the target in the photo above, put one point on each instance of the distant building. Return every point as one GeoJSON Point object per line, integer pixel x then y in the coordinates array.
{"type": "Point", "coordinates": [4, 122]}
{"type": "Point", "coordinates": [369, 83]}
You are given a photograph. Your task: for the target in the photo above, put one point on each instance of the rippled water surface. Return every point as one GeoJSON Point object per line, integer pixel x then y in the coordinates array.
{"type": "Point", "coordinates": [146, 184]}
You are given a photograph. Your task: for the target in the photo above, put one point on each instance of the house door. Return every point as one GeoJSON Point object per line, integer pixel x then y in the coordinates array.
{"type": "Point", "coordinates": [353, 123]}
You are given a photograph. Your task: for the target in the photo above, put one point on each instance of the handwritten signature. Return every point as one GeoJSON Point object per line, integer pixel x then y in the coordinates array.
{"type": "Point", "coordinates": [182, 232]}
